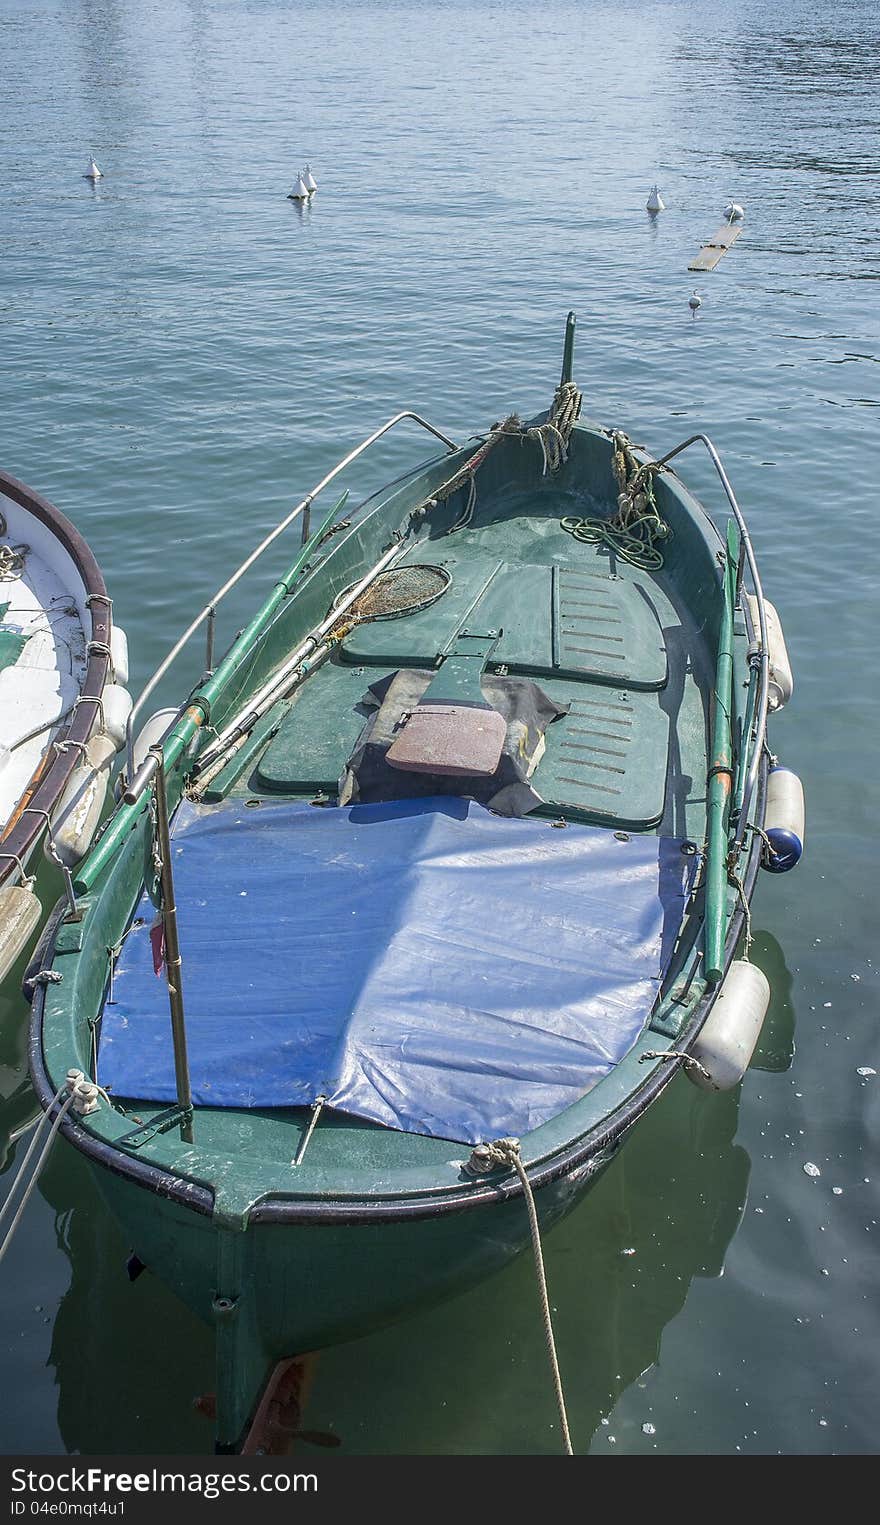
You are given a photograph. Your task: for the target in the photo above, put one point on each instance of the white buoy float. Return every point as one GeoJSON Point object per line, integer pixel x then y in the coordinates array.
{"type": "Point", "coordinates": [733, 212]}
{"type": "Point", "coordinates": [78, 812]}
{"type": "Point", "coordinates": [93, 172]}
{"type": "Point", "coordinates": [655, 202]}
{"type": "Point", "coordinates": [727, 1039]}
{"type": "Point", "coordinates": [695, 302]}
{"type": "Point", "coordinates": [20, 915]}
{"type": "Point", "coordinates": [300, 191]}
{"type": "Point", "coordinates": [153, 730]}
{"type": "Point", "coordinates": [119, 654]}
{"type": "Point", "coordinates": [116, 706]}
{"type": "Point", "coordinates": [309, 181]}
{"type": "Point", "coordinates": [780, 686]}
{"type": "Point", "coordinates": [784, 821]}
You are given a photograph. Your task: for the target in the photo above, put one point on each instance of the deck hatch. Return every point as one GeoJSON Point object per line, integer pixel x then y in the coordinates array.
{"type": "Point", "coordinates": [605, 629]}
{"type": "Point", "coordinates": [606, 760]}
{"type": "Point", "coordinates": [587, 624]}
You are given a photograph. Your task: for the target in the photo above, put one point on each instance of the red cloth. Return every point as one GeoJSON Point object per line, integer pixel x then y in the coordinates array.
{"type": "Point", "coordinates": [157, 943]}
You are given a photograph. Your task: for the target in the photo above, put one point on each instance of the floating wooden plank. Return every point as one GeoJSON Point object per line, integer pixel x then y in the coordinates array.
{"type": "Point", "coordinates": [717, 246]}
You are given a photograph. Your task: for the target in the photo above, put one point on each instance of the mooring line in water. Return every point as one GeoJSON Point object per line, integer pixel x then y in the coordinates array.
{"type": "Point", "coordinates": [37, 1168]}
{"type": "Point", "coordinates": [506, 1151]}
{"type": "Point", "coordinates": [82, 1095]}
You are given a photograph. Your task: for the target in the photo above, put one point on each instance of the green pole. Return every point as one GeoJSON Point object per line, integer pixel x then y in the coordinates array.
{"type": "Point", "coordinates": [720, 779]}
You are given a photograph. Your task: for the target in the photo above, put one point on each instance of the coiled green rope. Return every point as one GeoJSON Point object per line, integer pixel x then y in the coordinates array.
{"type": "Point", "coordinates": [634, 530]}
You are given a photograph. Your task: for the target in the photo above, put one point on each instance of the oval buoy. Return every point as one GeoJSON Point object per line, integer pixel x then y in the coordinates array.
{"type": "Point", "coordinates": [300, 191]}
{"type": "Point", "coordinates": [75, 819]}
{"type": "Point", "coordinates": [309, 181]}
{"type": "Point", "coordinates": [119, 654]}
{"type": "Point", "coordinates": [695, 302]}
{"type": "Point", "coordinates": [781, 679]}
{"type": "Point", "coordinates": [20, 913]}
{"type": "Point", "coordinates": [655, 202]}
{"type": "Point", "coordinates": [150, 734]}
{"type": "Point", "coordinates": [784, 821]}
{"type": "Point", "coordinates": [734, 212]}
{"type": "Point", "coordinates": [93, 172]}
{"type": "Point", "coordinates": [116, 706]}
{"type": "Point", "coordinates": [727, 1039]}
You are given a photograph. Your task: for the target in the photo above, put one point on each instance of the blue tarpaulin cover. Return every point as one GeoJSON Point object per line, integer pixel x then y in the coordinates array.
{"type": "Point", "coordinates": [421, 963]}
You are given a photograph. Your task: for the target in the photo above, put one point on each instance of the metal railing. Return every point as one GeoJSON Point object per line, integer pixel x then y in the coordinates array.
{"type": "Point", "coordinates": [209, 612]}
{"type": "Point", "coordinates": [759, 721]}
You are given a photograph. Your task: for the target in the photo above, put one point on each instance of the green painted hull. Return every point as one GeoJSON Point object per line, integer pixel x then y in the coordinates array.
{"type": "Point", "coordinates": [282, 1289]}
{"type": "Point", "coordinates": [376, 1223]}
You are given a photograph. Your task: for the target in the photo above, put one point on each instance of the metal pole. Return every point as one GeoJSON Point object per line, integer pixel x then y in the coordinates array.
{"type": "Point", "coordinates": [317, 1109]}
{"type": "Point", "coordinates": [762, 700]}
{"type": "Point", "coordinates": [568, 351]}
{"type": "Point", "coordinates": [172, 952]}
{"type": "Point", "coordinates": [255, 554]}
{"type": "Point", "coordinates": [209, 640]}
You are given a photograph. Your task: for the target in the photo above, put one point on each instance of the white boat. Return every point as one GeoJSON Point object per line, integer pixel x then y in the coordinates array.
{"type": "Point", "coordinates": [63, 703]}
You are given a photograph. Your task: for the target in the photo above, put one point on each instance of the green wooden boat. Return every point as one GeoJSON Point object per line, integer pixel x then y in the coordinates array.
{"type": "Point", "coordinates": [465, 827]}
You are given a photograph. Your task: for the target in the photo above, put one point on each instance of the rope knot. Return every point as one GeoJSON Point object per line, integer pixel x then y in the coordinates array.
{"type": "Point", "coordinates": [485, 1158]}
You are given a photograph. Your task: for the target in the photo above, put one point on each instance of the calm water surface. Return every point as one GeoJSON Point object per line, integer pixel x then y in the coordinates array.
{"type": "Point", "coordinates": [184, 353]}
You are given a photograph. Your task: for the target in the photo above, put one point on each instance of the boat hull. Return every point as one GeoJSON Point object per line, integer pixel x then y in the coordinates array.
{"type": "Point", "coordinates": [57, 696]}
{"type": "Point", "coordinates": [376, 1225]}
{"type": "Point", "coordinates": [282, 1289]}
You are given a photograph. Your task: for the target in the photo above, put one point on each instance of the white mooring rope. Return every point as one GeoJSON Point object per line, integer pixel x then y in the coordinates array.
{"type": "Point", "coordinates": [506, 1151]}
{"type": "Point", "coordinates": [81, 1095]}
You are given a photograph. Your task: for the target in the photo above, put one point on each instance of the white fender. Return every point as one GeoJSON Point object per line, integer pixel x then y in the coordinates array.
{"type": "Point", "coordinates": [152, 731]}
{"type": "Point", "coordinates": [20, 914]}
{"type": "Point", "coordinates": [784, 821]}
{"type": "Point", "coordinates": [117, 704]}
{"type": "Point", "coordinates": [119, 654]}
{"type": "Point", "coordinates": [729, 1034]}
{"type": "Point", "coordinates": [78, 812]}
{"type": "Point", "coordinates": [781, 684]}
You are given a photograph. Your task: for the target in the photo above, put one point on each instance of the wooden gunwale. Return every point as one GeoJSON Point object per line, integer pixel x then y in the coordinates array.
{"type": "Point", "coordinates": [49, 780]}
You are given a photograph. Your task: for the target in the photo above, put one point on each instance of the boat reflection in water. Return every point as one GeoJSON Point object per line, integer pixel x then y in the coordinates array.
{"type": "Point", "coordinates": [470, 1376]}
{"type": "Point", "coordinates": [775, 1049]}
{"type": "Point", "coordinates": [19, 1107]}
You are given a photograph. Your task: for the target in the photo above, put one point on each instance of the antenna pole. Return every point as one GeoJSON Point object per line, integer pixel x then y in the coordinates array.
{"type": "Point", "coordinates": [568, 351]}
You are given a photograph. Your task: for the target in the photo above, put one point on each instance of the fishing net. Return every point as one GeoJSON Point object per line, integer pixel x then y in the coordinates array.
{"type": "Point", "coordinates": [401, 590]}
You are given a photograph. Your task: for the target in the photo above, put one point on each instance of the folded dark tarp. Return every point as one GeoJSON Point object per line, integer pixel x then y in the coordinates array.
{"type": "Point", "coordinates": [424, 963]}
{"type": "Point", "coordinates": [527, 712]}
